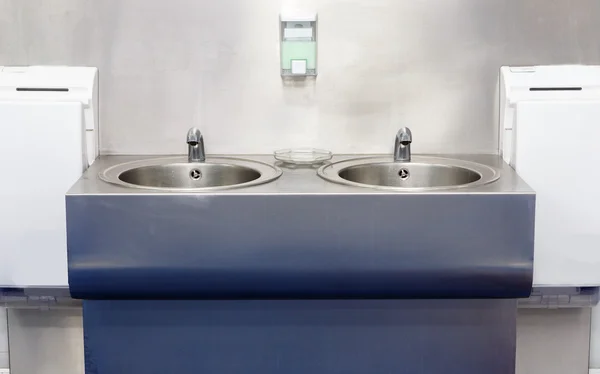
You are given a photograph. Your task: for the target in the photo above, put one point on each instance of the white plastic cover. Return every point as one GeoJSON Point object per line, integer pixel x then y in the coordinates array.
{"type": "Point", "coordinates": [550, 122]}
{"type": "Point", "coordinates": [47, 115]}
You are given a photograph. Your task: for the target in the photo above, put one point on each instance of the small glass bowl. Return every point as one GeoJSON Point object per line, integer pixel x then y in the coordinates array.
{"type": "Point", "coordinates": [303, 156]}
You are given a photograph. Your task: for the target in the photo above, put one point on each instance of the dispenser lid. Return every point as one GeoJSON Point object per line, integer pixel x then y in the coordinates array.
{"type": "Point", "coordinates": [50, 83]}
{"type": "Point", "coordinates": [551, 82]}
{"type": "Point", "coordinates": [76, 83]}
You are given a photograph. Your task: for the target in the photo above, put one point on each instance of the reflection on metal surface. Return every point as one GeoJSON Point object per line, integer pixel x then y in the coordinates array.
{"type": "Point", "coordinates": [174, 174]}
{"type": "Point", "coordinates": [422, 174]}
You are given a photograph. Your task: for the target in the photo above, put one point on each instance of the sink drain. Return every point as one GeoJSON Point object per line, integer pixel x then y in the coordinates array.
{"type": "Point", "coordinates": [404, 174]}
{"type": "Point", "coordinates": [195, 174]}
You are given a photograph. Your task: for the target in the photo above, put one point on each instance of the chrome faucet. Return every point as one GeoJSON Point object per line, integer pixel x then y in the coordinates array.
{"type": "Point", "coordinates": [402, 145]}
{"type": "Point", "coordinates": [195, 143]}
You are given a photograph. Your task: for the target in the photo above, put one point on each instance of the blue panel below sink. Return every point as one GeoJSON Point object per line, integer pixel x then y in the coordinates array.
{"type": "Point", "coordinates": [298, 247]}
{"type": "Point", "coordinates": [300, 337]}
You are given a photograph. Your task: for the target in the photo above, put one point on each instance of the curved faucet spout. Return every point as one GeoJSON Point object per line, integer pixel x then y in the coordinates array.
{"type": "Point", "coordinates": [402, 145]}
{"type": "Point", "coordinates": [195, 143]}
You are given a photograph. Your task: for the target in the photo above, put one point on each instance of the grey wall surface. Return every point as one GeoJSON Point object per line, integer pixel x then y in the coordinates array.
{"type": "Point", "coordinates": [167, 65]}
{"type": "Point", "coordinates": [553, 341]}
{"type": "Point", "coordinates": [3, 339]}
{"type": "Point", "coordinates": [48, 341]}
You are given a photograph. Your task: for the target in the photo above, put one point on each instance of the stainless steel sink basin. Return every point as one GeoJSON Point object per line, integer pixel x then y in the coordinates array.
{"type": "Point", "coordinates": [176, 173]}
{"type": "Point", "coordinates": [420, 174]}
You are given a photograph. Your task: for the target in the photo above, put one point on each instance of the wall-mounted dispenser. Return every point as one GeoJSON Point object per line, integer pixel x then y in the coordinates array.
{"type": "Point", "coordinates": [549, 134]}
{"type": "Point", "coordinates": [298, 45]}
{"type": "Point", "coordinates": [49, 127]}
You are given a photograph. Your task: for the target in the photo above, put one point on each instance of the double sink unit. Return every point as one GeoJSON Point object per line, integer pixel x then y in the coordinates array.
{"type": "Point", "coordinates": [397, 226]}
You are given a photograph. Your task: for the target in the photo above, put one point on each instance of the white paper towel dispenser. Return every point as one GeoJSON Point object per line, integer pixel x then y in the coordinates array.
{"type": "Point", "coordinates": [48, 124]}
{"type": "Point", "coordinates": [549, 131]}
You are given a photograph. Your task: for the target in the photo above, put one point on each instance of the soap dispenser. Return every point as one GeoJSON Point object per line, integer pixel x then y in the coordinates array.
{"type": "Point", "coordinates": [298, 45]}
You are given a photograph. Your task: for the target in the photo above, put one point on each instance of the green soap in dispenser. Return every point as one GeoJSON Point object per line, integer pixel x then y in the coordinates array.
{"type": "Point", "coordinates": [306, 50]}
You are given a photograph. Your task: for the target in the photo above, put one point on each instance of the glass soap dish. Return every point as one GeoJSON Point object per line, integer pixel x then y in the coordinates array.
{"type": "Point", "coordinates": [303, 156]}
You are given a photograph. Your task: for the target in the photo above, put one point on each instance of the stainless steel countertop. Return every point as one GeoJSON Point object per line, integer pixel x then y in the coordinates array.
{"type": "Point", "coordinates": [299, 180]}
